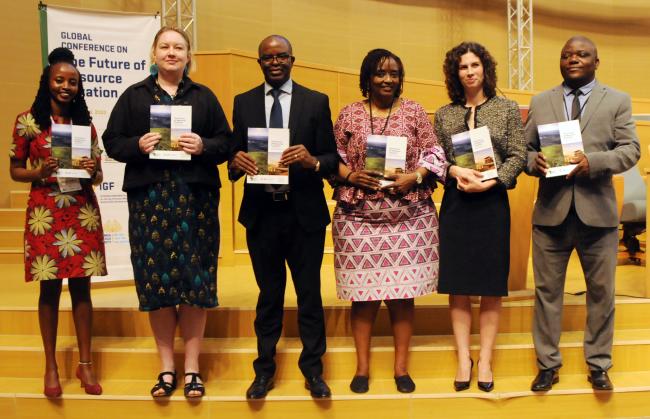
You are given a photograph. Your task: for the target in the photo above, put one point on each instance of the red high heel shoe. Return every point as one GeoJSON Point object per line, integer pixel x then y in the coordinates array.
{"type": "Point", "coordinates": [53, 392]}
{"type": "Point", "coordinates": [94, 389]}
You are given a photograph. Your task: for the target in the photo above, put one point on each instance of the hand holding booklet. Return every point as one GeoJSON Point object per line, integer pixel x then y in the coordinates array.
{"type": "Point", "coordinates": [560, 142]}
{"type": "Point", "coordinates": [473, 150]}
{"type": "Point", "coordinates": [386, 156]}
{"type": "Point", "coordinates": [265, 146]}
{"type": "Point", "coordinates": [170, 122]}
{"type": "Point", "coordinates": [70, 143]}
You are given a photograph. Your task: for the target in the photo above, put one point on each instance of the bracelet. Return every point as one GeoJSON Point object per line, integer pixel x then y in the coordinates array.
{"type": "Point", "coordinates": [347, 178]}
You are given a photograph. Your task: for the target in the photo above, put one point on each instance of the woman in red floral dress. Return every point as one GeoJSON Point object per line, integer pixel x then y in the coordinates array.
{"type": "Point", "coordinates": [63, 230]}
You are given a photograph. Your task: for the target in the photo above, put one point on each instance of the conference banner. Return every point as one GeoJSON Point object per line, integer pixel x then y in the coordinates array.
{"type": "Point", "coordinates": [112, 52]}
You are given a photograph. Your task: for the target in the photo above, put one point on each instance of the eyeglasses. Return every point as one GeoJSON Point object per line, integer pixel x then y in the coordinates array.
{"type": "Point", "coordinates": [282, 58]}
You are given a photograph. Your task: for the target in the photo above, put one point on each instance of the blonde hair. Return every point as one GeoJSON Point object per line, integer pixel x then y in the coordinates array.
{"type": "Point", "coordinates": [181, 33]}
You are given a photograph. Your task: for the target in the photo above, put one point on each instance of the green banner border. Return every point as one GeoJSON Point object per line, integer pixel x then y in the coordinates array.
{"type": "Point", "coordinates": [42, 12]}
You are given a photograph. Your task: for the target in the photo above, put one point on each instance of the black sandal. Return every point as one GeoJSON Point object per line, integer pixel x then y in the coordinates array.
{"type": "Point", "coordinates": [168, 388]}
{"type": "Point", "coordinates": [194, 385]}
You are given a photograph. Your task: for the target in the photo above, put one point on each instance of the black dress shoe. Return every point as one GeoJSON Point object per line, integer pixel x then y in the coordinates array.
{"type": "Point", "coordinates": [317, 387]}
{"type": "Point", "coordinates": [464, 385]}
{"type": "Point", "coordinates": [545, 380]}
{"type": "Point", "coordinates": [359, 384]}
{"type": "Point", "coordinates": [260, 386]}
{"type": "Point", "coordinates": [405, 384]}
{"type": "Point", "coordinates": [600, 380]}
{"type": "Point", "coordinates": [486, 386]}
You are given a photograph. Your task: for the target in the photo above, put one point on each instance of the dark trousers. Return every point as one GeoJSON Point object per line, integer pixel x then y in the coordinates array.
{"type": "Point", "coordinates": [277, 237]}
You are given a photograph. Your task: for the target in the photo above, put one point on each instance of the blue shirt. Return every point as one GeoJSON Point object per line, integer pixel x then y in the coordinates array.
{"type": "Point", "coordinates": [285, 102]}
{"type": "Point", "coordinates": [568, 97]}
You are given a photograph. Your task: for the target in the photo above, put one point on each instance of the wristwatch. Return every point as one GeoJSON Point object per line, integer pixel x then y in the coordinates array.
{"type": "Point", "coordinates": [418, 177]}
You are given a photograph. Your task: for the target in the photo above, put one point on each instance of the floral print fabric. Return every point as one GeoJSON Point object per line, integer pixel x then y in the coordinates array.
{"type": "Point", "coordinates": [63, 231]}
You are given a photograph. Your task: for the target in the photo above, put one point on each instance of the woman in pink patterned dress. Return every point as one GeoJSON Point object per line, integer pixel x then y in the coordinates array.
{"type": "Point", "coordinates": [385, 238]}
{"type": "Point", "coordinates": [63, 230]}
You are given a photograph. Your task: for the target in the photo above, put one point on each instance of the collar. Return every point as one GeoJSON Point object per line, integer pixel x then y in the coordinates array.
{"type": "Point", "coordinates": [479, 106]}
{"type": "Point", "coordinates": [150, 83]}
{"type": "Point", "coordinates": [287, 87]}
{"type": "Point", "coordinates": [585, 89]}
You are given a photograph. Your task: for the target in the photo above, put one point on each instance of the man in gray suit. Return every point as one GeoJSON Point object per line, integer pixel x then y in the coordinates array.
{"type": "Point", "coordinates": [578, 211]}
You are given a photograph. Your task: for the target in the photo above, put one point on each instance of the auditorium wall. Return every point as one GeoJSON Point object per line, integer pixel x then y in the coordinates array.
{"type": "Point", "coordinates": [337, 33]}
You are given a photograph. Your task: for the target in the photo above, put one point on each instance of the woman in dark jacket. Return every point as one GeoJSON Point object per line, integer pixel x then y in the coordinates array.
{"type": "Point", "coordinates": [173, 219]}
{"type": "Point", "coordinates": [475, 213]}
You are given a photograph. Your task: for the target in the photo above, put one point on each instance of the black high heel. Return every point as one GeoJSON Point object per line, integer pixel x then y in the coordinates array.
{"type": "Point", "coordinates": [464, 385]}
{"type": "Point", "coordinates": [486, 386]}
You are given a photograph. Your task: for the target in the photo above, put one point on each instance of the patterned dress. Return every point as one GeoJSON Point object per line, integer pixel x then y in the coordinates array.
{"type": "Point", "coordinates": [386, 246]}
{"type": "Point", "coordinates": [174, 231]}
{"type": "Point", "coordinates": [63, 231]}
{"type": "Point", "coordinates": [174, 236]}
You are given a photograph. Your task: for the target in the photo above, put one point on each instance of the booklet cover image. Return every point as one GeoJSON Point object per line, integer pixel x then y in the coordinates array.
{"type": "Point", "coordinates": [258, 140]}
{"type": "Point", "coordinates": [170, 122]}
{"type": "Point", "coordinates": [70, 144]}
{"type": "Point", "coordinates": [560, 143]}
{"type": "Point", "coordinates": [376, 154]}
{"type": "Point", "coordinates": [160, 121]}
{"type": "Point", "coordinates": [265, 146]}
{"type": "Point", "coordinates": [386, 156]}
{"type": "Point", "coordinates": [473, 150]}
{"type": "Point", "coordinates": [62, 144]}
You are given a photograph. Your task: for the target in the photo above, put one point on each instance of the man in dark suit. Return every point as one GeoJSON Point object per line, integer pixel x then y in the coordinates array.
{"type": "Point", "coordinates": [578, 211]}
{"type": "Point", "coordinates": [286, 223]}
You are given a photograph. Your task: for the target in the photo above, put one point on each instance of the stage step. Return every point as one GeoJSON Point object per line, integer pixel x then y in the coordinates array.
{"type": "Point", "coordinates": [13, 237]}
{"type": "Point", "coordinates": [11, 255]}
{"type": "Point", "coordinates": [431, 317]}
{"type": "Point", "coordinates": [18, 199]}
{"type": "Point", "coordinates": [231, 359]}
{"type": "Point", "coordinates": [12, 218]}
{"type": "Point", "coordinates": [571, 398]}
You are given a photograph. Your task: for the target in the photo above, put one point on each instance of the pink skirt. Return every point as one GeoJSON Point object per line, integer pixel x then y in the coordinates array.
{"type": "Point", "coordinates": [385, 249]}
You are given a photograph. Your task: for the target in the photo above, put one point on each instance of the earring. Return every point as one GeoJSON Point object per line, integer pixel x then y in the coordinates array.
{"type": "Point", "coordinates": [153, 70]}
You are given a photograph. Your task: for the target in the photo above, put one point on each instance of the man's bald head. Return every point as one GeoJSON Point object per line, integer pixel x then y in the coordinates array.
{"type": "Point", "coordinates": [583, 39]}
{"type": "Point", "coordinates": [578, 61]}
{"type": "Point", "coordinates": [273, 39]}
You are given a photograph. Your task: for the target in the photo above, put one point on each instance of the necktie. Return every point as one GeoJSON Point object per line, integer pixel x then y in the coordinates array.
{"type": "Point", "coordinates": [275, 121]}
{"type": "Point", "coordinates": [575, 107]}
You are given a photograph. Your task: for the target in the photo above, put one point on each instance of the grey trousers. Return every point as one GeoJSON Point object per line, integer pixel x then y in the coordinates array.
{"type": "Point", "coordinates": [596, 248]}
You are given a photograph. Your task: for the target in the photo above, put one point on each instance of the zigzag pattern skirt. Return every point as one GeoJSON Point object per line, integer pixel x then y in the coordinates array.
{"type": "Point", "coordinates": [385, 249]}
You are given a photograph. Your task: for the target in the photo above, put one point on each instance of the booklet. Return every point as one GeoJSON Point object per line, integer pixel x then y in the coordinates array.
{"type": "Point", "coordinates": [560, 142]}
{"type": "Point", "coordinates": [386, 155]}
{"type": "Point", "coordinates": [265, 146]}
{"type": "Point", "coordinates": [473, 150]}
{"type": "Point", "coordinates": [170, 122]}
{"type": "Point", "coordinates": [69, 144]}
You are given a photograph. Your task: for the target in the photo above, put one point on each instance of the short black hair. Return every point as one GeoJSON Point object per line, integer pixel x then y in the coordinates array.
{"type": "Point", "coordinates": [455, 88]}
{"type": "Point", "coordinates": [372, 61]}
{"type": "Point", "coordinates": [42, 107]}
